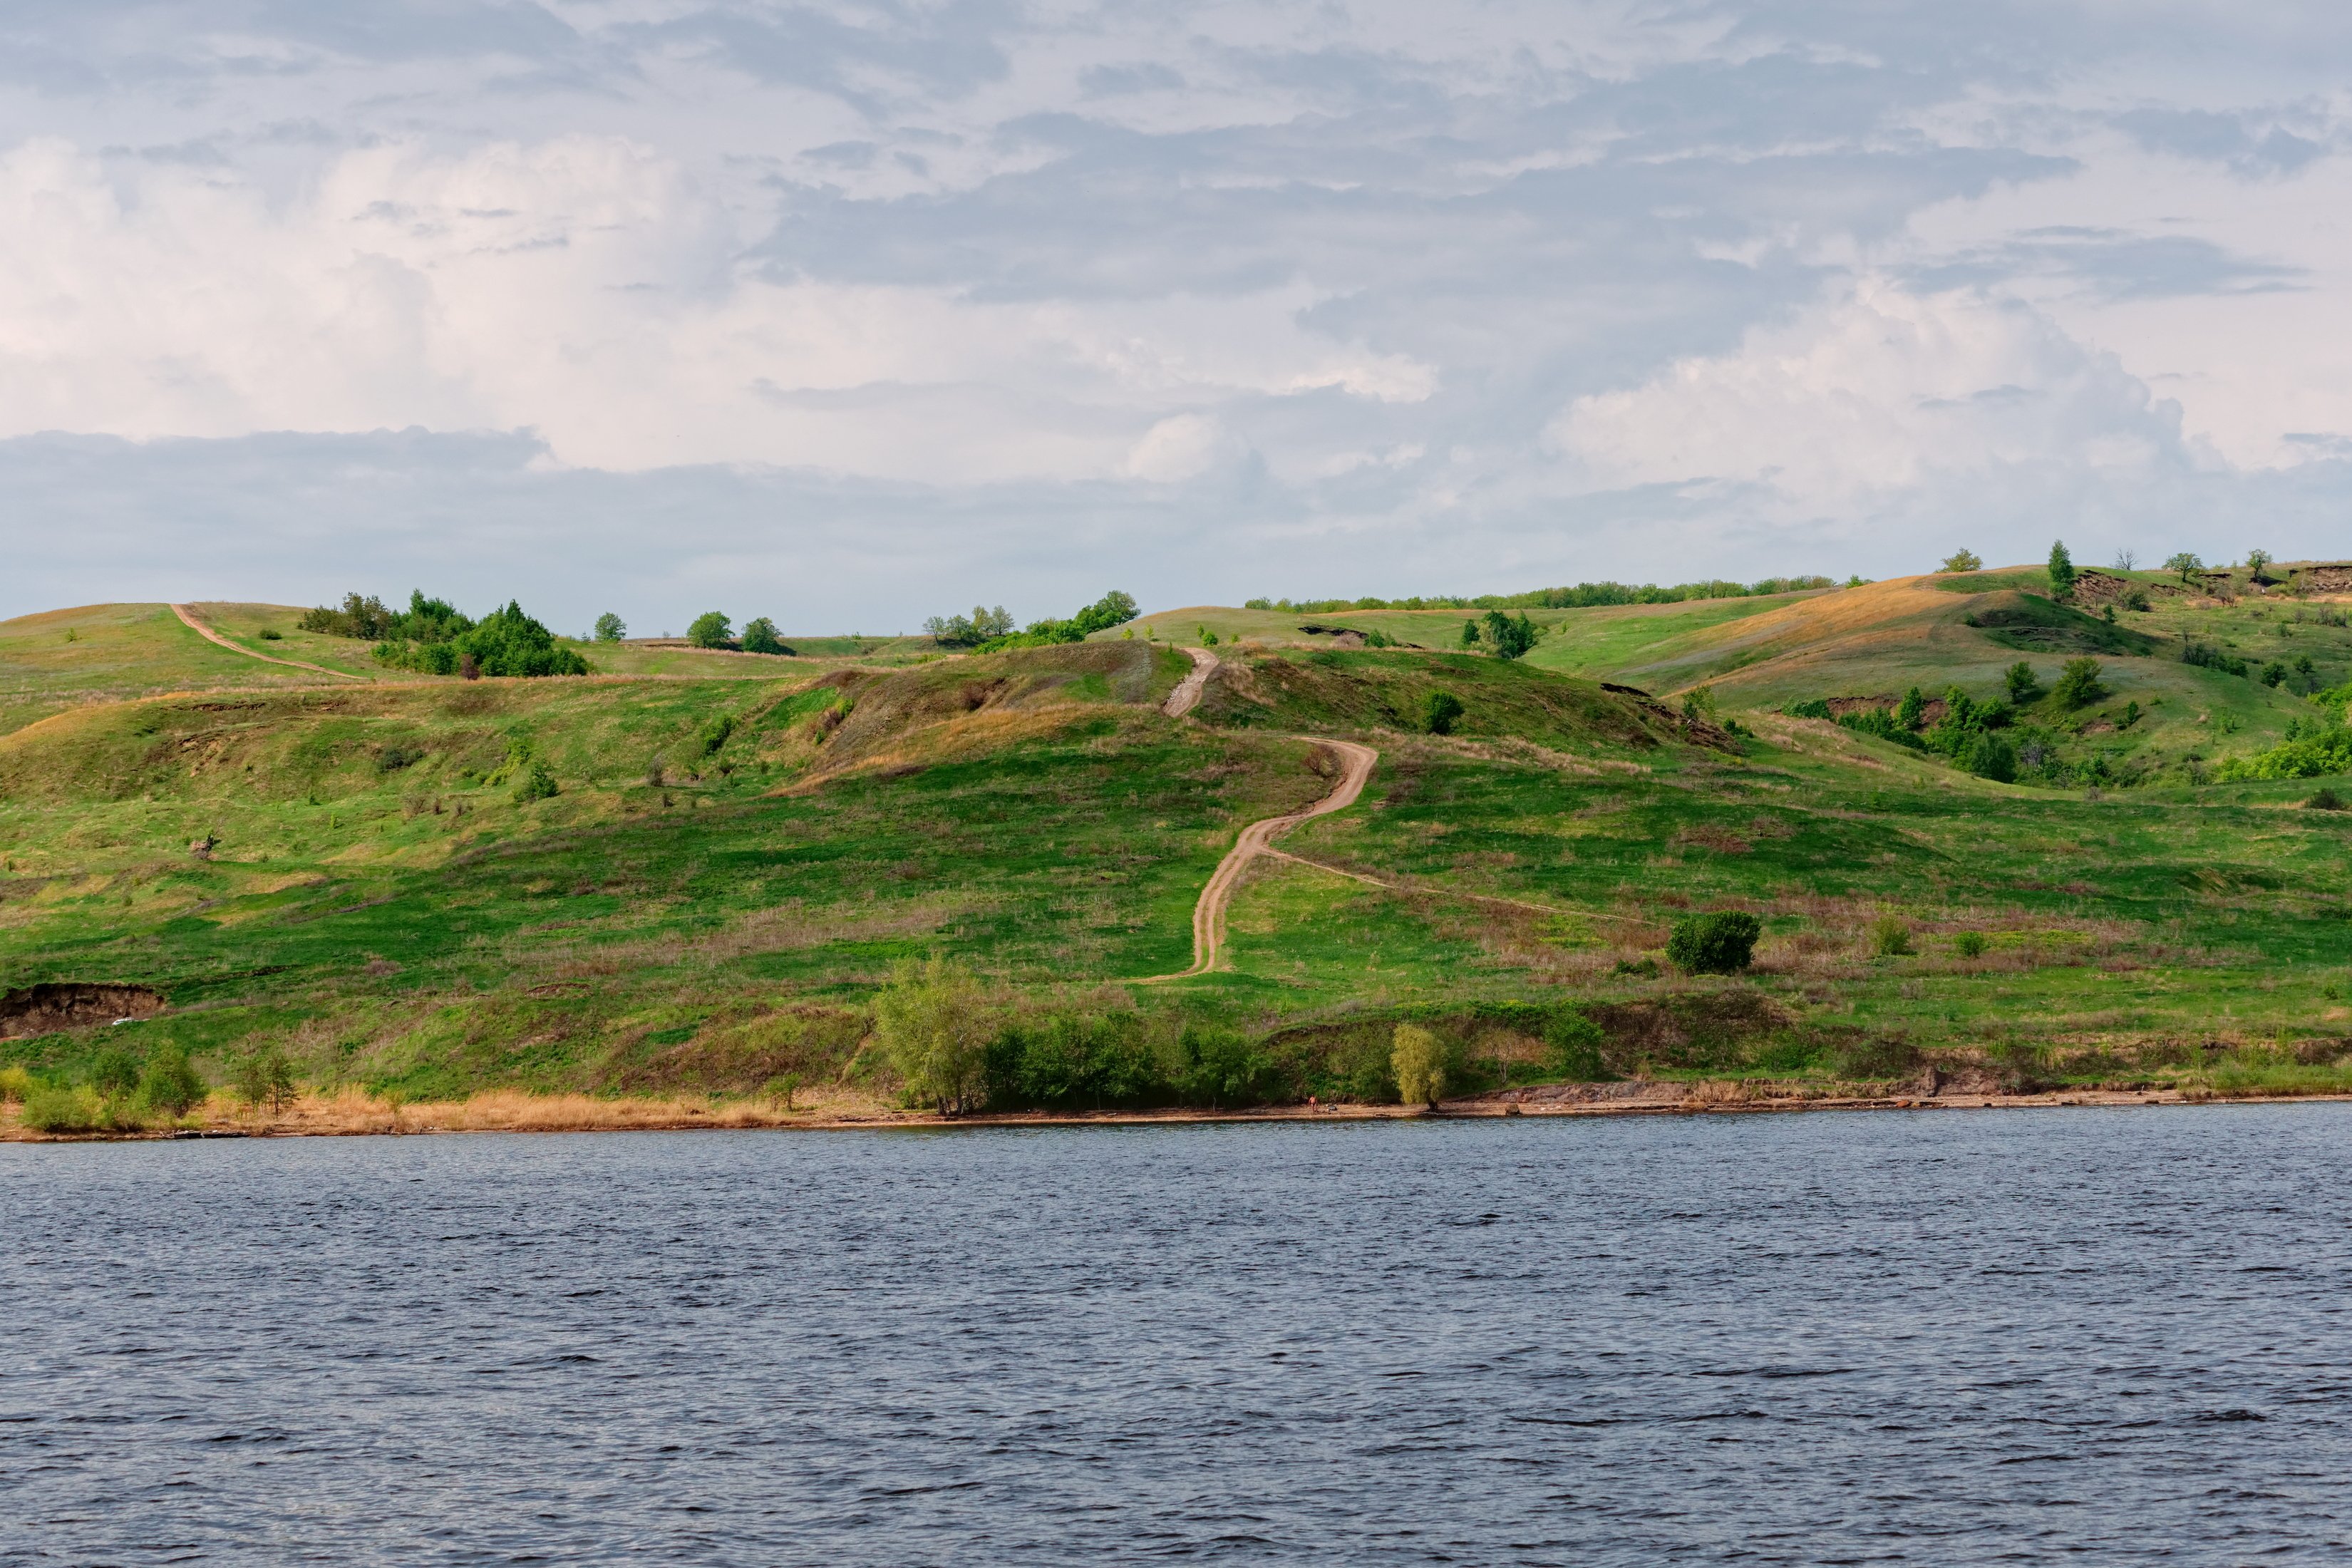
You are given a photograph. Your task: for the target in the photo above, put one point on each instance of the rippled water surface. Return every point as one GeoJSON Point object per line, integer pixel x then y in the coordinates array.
{"type": "Point", "coordinates": [1949, 1337]}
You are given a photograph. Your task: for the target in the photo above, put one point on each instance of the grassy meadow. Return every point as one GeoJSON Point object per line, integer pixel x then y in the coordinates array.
{"type": "Point", "coordinates": [692, 877]}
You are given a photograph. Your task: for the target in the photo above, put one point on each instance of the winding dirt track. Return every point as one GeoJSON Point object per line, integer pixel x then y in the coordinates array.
{"type": "Point", "coordinates": [1257, 839]}
{"type": "Point", "coordinates": [188, 618]}
{"type": "Point", "coordinates": [1187, 695]}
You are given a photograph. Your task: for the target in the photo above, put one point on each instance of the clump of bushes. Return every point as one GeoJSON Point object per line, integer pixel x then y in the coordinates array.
{"type": "Point", "coordinates": [1444, 711]}
{"type": "Point", "coordinates": [504, 643]}
{"type": "Point", "coordinates": [1969, 944]}
{"type": "Point", "coordinates": [1722, 941]}
{"type": "Point", "coordinates": [1890, 937]}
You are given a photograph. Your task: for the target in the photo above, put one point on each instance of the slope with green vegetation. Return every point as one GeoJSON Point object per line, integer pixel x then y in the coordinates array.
{"type": "Point", "coordinates": [620, 884]}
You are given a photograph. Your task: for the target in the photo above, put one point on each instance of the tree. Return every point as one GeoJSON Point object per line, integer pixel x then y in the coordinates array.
{"type": "Point", "coordinates": [2183, 565]}
{"type": "Point", "coordinates": [2062, 570]}
{"type": "Point", "coordinates": [170, 1084]}
{"type": "Point", "coordinates": [1722, 943]}
{"type": "Point", "coordinates": [1419, 1061]}
{"type": "Point", "coordinates": [1511, 638]}
{"type": "Point", "coordinates": [933, 1021]}
{"type": "Point", "coordinates": [2274, 673]}
{"type": "Point", "coordinates": [1469, 633]}
{"type": "Point", "coordinates": [1962, 561]}
{"type": "Point", "coordinates": [760, 637]}
{"type": "Point", "coordinates": [2022, 686]}
{"type": "Point", "coordinates": [266, 1078]}
{"type": "Point", "coordinates": [1573, 1044]}
{"type": "Point", "coordinates": [2255, 561]}
{"type": "Point", "coordinates": [1445, 708]}
{"type": "Point", "coordinates": [2078, 683]}
{"type": "Point", "coordinates": [610, 628]}
{"type": "Point", "coordinates": [1992, 757]}
{"type": "Point", "coordinates": [2126, 559]}
{"type": "Point", "coordinates": [709, 630]}
{"type": "Point", "coordinates": [114, 1073]}
{"type": "Point", "coordinates": [1913, 710]}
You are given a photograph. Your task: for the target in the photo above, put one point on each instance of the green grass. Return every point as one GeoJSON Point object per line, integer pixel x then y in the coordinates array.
{"type": "Point", "coordinates": [380, 903]}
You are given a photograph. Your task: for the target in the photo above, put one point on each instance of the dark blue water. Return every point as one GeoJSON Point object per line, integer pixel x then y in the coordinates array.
{"type": "Point", "coordinates": [1951, 1337]}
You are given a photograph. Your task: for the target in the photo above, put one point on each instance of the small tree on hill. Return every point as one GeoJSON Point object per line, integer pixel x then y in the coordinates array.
{"type": "Point", "coordinates": [2183, 565]}
{"type": "Point", "coordinates": [1722, 943]}
{"type": "Point", "coordinates": [2078, 684]}
{"type": "Point", "coordinates": [709, 630]}
{"type": "Point", "coordinates": [1419, 1062]}
{"type": "Point", "coordinates": [1962, 561]}
{"type": "Point", "coordinates": [1469, 633]}
{"type": "Point", "coordinates": [2256, 560]}
{"type": "Point", "coordinates": [1445, 708]}
{"type": "Point", "coordinates": [1992, 757]}
{"type": "Point", "coordinates": [760, 637]}
{"type": "Point", "coordinates": [933, 1022]}
{"type": "Point", "coordinates": [2024, 688]}
{"type": "Point", "coordinates": [114, 1073]}
{"type": "Point", "coordinates": [610, 628]}
{"type": "Point", "coordinates": [1912, 712]}
{"type": "Point", "coordinates": [2062, 570]}
{"type": "Point", "coordinates": [170, 1084]}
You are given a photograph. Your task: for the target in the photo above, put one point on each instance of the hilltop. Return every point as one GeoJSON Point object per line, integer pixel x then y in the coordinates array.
{"type": "Point", "coordinates": [690, 871]}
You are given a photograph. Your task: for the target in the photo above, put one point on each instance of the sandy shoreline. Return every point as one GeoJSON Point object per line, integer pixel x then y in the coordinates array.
{"type": "Point", "coordinates": [352, 1116]}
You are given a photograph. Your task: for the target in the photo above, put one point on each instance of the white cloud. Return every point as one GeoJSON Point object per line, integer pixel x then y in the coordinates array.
{"type": "Point", "coordinates": [1872, 391]}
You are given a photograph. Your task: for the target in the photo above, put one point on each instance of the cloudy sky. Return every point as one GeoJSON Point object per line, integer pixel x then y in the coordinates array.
{"type": "Point", "coordinates": [850, 313]}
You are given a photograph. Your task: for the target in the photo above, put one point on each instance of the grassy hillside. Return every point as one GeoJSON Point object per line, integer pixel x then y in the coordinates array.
{"type": "Point", "coordinates": [371, 876]}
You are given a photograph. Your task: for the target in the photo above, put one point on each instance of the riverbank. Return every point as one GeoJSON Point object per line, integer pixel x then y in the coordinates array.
{"type": "Point", "coordinates": [352, 1114]}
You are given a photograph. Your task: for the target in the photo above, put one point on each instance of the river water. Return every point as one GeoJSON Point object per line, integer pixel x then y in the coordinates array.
{"type": "Point", "coordinates": [2101, 1336]}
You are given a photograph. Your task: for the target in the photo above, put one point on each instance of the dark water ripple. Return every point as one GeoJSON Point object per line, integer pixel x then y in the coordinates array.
{"type": "Point", "coordinates": [1951, 1338]}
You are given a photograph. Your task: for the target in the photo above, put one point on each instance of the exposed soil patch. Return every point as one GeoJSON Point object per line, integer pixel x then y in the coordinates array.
{"type": "Point", "coordinates": [46, 1009]}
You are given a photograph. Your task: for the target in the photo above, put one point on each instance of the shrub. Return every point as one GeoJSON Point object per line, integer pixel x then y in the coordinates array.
{"type": "Point", "coordinates": [2078, 683]}
{"type": "Point", "coordinates": [63, 1110]}
{"type": "Point", "coordinates": [2325, 800]}
{"type": "Point", "coordinates": [984, 624]}
{"type": "Point", "coordinates": [760, 637]}
{"type": "Point", "coordinates": [114, 1073]}
{"type": "Point", "coordinates": [2136, 599]}
{"type": "Point", "coordinates": [266, 1078]}
{"type": "Point", "coordinates": [1912, 712]}
{"type": "Point", "coordinates": [1890, 936]}
{"type": "Point", "coordinates": [1221, 1067]}
{"type": "Point", "coordinates": [537, 782]}
{"type": "Point", "coordinates": [1419, 1061]}
{"type": "Point", "coordinates": [1572, 1044]}
{"type": "Point", "coordinates": [170, 1083]}
{"type": "Point", "coordinates": [933, 1021]}
{"type": "Point", "coordinates": [1445, 708]}
{"type": "Point", "coordinates": [271, 634]}
{"type": "Point", "coordinates": [2312, 755]}
{"type": "Point", "coordinates": [610, 628]}
{"type": "Point", "coordinates": [710, 629]}
{"type": "Point", "coordinates": [1815, 709]}
{"type": "Point", "coordinates": [16, 1083]}
{"type": "Point", "coordinates": [1469, 633]}
{"type": "Point", "coordinates": [1962, 561]}
{"type": "Point", "coordinates": [1511, 637]}
{"type": "Point", "coordinates": [2274, 673]}
{"type": "Point", "coordinates": [1969, 944]}
{"type": "Point", "coordinates": [505, 642]}
{"type": "Point", "coordinates": [1992, 757]}
{"type": "Point", "coordinates": [1720, 943]}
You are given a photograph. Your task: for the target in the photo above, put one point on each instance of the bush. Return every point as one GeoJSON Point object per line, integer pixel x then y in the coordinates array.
{"type": "Point", "coordinates": [2022, 686]}
{"type": "Point", "coordinates": [2274, 673]}
{"type": "Point", "coordinates": [1969, 944]}
{"type": "Point", "coordinates": [171, 1084]}
{"type": "Point", "coordinates": [1720, 943]}
{"type": "Point", "coordinates": [760, 637]}
{"type": "Point", "coordinates": [1912, 712]}
{"type": "Point", "coordinates": [114, 1073]}
{"type": "Point", "coordinates": [505, 642]}
{"type": "Point", "coordinates": [610, 628]}
{"type": "Point", "coordinates": [1445, 708]}
{"type": "Point", "coordinates": [2062, 570]}
{"type": "Point", "coordinates": [1068, 1060]}
{"type": "Point", "coordinates": [1963, 560]}
{"type": "Point", "coordinates": [1816, 709]}
{"type": "Point", "coordinates": [537, 782]}
{"type": "Point", "coordinates": [2078, 683]}
{"type": "Point", "coordinates": [1572, 1044]}
{"type": "Point", "coordinates": [2325, 800]}
{"type": "Point", "coordinates": [933, 1021]}
{"type": "Point", "coordinates": [1992, 757]}
{"type": "Point", "coordinates": [63, 1110]}
{"type": "Point", "coordinates": [1890, 937]}
{"type": "Point", "coordinates": [1222, 1069]}
{"type": "Point", "coordinates": [266, 1078]}
{"type": "Point", "coordinates": [1419, 1061]}
{"type": "Point", "coordinates": [16, 1083]}
{"type": "Point", "coordinates": [1512, 638]}
{"type": "Point", "coordinates": [710, 629]}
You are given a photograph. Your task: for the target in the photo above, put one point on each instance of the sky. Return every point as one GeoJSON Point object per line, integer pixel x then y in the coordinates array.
{"type": "Point", "coordinates": [850, 314]}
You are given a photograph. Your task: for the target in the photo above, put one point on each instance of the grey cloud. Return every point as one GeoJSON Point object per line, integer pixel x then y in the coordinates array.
{"type": "Point", "coordinates": [2115, 264]}
{"type": "Point", "coordinates": [2223, 138]}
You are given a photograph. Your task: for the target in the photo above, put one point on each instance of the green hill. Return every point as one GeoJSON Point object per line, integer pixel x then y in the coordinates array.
{"type": "Point", "coordinates": [640, 881]}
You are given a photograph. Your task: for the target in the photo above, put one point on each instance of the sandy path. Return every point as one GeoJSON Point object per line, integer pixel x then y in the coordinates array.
{"type": "Point", "coordinates": [1257, 839]}
{"type": "Point", "coordinates": [188, 618]}
{"type": "Point", "coordinates": [1187, 695]}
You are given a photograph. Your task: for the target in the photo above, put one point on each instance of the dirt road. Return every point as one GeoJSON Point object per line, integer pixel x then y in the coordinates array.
{"type": "Point", "coordinates": [1257, 839]}
{"type": "Point", "coordinates": [1187, 695]}
{"type": "Point", "coordinates": [188, 618]}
